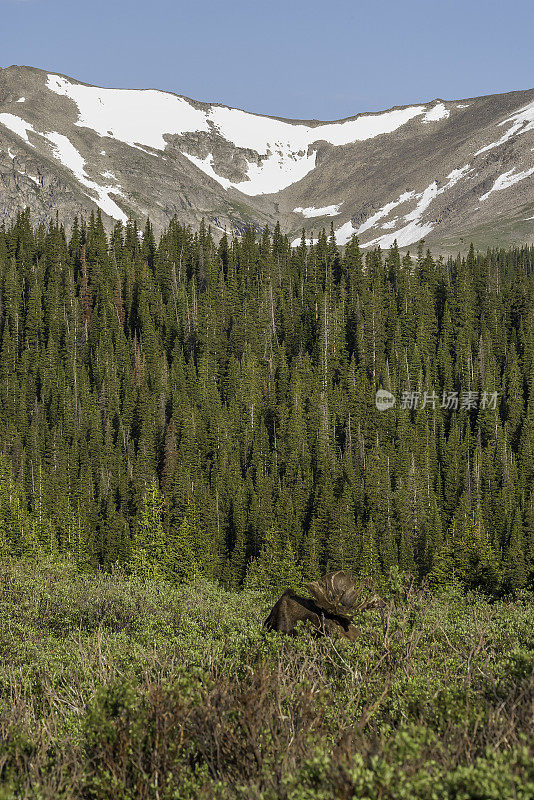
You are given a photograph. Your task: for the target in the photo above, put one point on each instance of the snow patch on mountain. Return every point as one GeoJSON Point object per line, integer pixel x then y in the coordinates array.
{"type": "Point", "coordinates": [507, 179]}
{"type": "Point", "coordinates": [64, 151]}
{"type": "Point", "coordinates": [522, 121]}
{"type": "Point", "coordinates": [309, 242]}
{"type": "Point", "coordinates": [33, 178]}
{"type": "Point", "coordinates": [436, 113]}
{"type": "Point", "coordinates": [277, 172]}
{"type": "Point", "coordinates": [311, 211]}
{"type": "Point", "coordinates": [264, 134]}
{"type": "Point", "coordinates": [345, 233]}
{"type": "Point", "coordinates": [143, 118]}
{"type": "Point", "coordinates": [383, 212]}
{"type": "Point", "coordinates": [17, 125]}
{"type": "Point", "coordinates": [205, 164]}
{"type": "Point", "coordinates": [134, 116]}
{"type": "Point", "coordinates": [415, 229]}
{"type": "Point", "coordinates": [67, 154]}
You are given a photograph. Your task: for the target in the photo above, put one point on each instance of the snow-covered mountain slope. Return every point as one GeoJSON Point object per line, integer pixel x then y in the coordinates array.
{"type": "Point", "coordinates": [439, 170]}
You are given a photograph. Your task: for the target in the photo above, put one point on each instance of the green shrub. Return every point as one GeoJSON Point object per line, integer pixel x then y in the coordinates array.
{"type": "Point", "coordinates": [113, 687]}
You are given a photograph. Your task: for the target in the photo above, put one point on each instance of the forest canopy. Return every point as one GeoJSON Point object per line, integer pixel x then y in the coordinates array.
{"type": "Point", "coordinates": [197, 408]}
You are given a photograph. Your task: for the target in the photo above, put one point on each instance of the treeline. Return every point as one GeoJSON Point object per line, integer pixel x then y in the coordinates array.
{"type": "Point", "coordinates": [192, 408]}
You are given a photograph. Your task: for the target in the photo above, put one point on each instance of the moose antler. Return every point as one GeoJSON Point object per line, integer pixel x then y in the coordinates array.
{"type": "Point", "coordinates": [338, 593]}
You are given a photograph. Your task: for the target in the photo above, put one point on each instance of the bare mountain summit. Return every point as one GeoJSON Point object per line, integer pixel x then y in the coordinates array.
{"type": "Point", "coordinates": [446, 171]}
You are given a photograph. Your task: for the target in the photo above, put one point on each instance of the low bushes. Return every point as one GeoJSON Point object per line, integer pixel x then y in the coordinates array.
{"type": "Point", "coordinates": [112, 688]}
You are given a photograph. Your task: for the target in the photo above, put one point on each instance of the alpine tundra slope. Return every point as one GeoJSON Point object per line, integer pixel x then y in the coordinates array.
{"type": "Point", "coordinates": [445, 171]}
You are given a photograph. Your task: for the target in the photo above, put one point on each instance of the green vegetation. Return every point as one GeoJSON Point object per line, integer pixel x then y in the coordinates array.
{"type": "Point", "coordinates": [186, 427]}
{"type": "Point", "coordinates": [194, 410]}
{"type": "Point", "coordinates": [116, 688]}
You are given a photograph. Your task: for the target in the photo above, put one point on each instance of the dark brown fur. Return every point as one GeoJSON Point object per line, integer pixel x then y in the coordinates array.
{"type": "Point", "coordinates": [291, 608]}
{"type": "Point", "coordinates": [335, 600]}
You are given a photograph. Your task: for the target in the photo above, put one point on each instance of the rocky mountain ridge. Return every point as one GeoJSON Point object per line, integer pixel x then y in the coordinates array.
{"type": "Point", "coordinates": [446, 171]}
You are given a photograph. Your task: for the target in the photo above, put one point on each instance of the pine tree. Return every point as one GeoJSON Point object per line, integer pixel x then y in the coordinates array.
{"type": "Point", "coordinates": [369, 566]}
{"type": "Point", "coordinates": [275, 568]}
{"type": "Point", "coordinates": [148, 547]}
{"type": "Point", "coordinates": [181, 561]}
{"type": "Point", "coordinates": [516, 571]}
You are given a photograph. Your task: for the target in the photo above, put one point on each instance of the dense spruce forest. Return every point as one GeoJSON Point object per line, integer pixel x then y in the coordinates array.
{"type": "Point", "coordinates": [192, 408]}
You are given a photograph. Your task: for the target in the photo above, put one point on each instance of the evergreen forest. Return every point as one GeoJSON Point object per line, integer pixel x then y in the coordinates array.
{"type": "Point", "coordinates": [197, 409]}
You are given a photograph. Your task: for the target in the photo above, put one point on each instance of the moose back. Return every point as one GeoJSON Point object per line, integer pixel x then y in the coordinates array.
{"type": "Point", "coordinates": [335, 600]}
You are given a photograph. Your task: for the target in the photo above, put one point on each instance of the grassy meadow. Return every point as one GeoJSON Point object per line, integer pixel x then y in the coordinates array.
{"type": "Point", "coordinates": [111, 687]}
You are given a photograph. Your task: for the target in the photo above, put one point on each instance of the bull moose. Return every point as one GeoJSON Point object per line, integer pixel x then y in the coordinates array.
{"type": "Point", "coordinates": [336, 599]}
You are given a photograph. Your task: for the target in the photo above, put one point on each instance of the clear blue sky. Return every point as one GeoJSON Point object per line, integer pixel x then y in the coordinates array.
{"type": "Point", "coordinates": [312, 59]}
